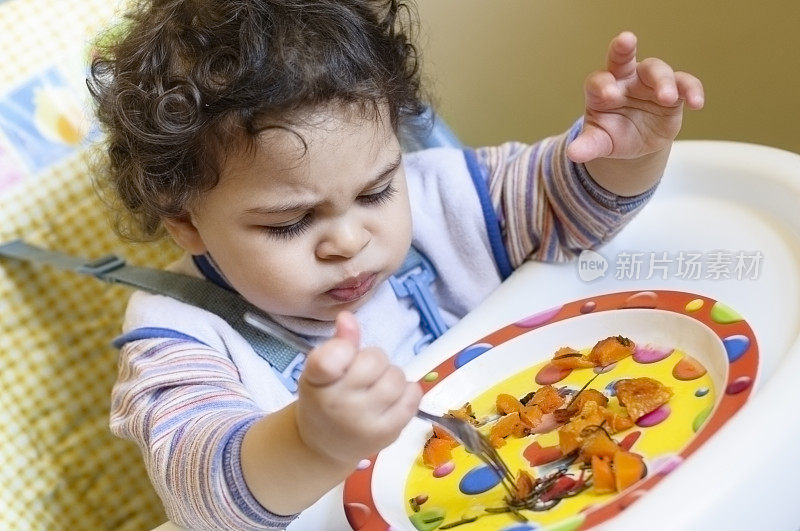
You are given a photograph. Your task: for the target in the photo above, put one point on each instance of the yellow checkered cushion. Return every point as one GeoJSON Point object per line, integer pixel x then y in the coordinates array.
{"type": "Point", "coordinates": [60, 468]}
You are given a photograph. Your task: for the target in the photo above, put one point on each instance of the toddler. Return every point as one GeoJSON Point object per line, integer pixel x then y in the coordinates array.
{"type": "Point", "coordinates": [262, 136]}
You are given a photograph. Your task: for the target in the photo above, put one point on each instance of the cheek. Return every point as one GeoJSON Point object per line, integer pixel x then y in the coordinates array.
{"type": "Point", "coordinates": [400, 215]}
{"type": "Point", "coordinates": [254, 264]}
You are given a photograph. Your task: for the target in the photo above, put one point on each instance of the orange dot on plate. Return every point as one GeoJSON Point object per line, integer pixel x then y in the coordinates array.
{"type": "Point", "coordinates": [643, 299]}
{"type": "Point", "coordinates": [550, 374]}
{"type": "Point", "coordinates": [357, 514]}
{"type": "Point", "coordinates": [688, 368]}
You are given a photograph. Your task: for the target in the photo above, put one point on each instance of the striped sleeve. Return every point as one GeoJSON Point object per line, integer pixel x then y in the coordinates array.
{"type": "Point", "coordinates": [548, 207]}
{"type": "Point", "coordinates": [184, 405]}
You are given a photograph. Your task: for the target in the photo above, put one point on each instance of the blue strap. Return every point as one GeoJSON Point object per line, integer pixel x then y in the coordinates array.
{"type": "Point", "coordinates": [413, 279]}
{"type": "Point", "coordinates": [489, 215]}
{"type": "Point", "coordinates": [151, 332]}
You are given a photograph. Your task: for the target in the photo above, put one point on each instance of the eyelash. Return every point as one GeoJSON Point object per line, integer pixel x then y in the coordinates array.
{"type": "Point", "coordinates": [287, 232]}
{"type": "Point", "coordinates": [379, 198]}
{"type": "Point", "coordinates": [295, 229]}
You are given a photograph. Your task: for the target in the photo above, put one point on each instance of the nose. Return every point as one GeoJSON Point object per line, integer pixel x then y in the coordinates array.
{"type": "Point", "coordinates": [345, 238]}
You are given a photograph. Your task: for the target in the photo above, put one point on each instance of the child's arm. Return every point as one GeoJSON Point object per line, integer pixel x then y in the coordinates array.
{"type": "Point", "coordinates": [633, 113]}
{"type": "Point", "coordinates": [550, 204]}
{"type": "Point", "coordinates": [218, 461]}
{"type": "Point", "coordinates": [352, 403]}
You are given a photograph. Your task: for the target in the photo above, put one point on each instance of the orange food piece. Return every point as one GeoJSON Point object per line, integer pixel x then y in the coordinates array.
{"type": "Point", "coordinates": [628, 469]}
{"type": "Point", "coordinates": [506, 404]}
{"type": "Point", "coordinates": [596, 442]}
{"type": "Point", "coordinates": [569, 358]}
{"type": "Point", "coordinates": [523, 486]}
{"type": "Point", "coordinates": [441, 433]}
{"type": "Point", "coordinates": [602, 476]}
{"type": "Point", "coordinates": [530, 416]}
{"type": "Point", "coordinates": [611, 350]}
{"type": "Point", "coordinates": [570, 435]}
{"type": "Point", "coordinates": [504, 427]}
{"type": "Point", "coordinates": [464, 413]}
{"type": "Point", "coordinates": [642, 395]}
{"type": "Point", "coordinates": [547, 398]}
{"type": "Point", "coordinates": [577, 403]}
{"type": "Point", "coordinates": [589, 395]}
{"type": "Point", "coordinates": [616, 422]}
{"type": "Point", "coordinates": [436, 452]}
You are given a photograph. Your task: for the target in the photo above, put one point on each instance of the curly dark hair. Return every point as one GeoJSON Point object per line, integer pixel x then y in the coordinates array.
{"type": "Point", "coordinates": [186, 78]}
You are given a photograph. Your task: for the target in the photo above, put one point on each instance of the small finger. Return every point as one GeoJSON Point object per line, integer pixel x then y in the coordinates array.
{"type": "Point", "coordinates": [660, 77]}
{"type": "Point", "coordinates": [602, 91]}
{"type": "Point", "coordinates": [389, 387]}
{"type": "Point", "coordinates": [690, 89]}
{"type": "Point", "coordinates": [621, 57]}
{"type": "Point", "coordinates": [369, 366]}
{"type": "Point", "coordinates": [396, 416]}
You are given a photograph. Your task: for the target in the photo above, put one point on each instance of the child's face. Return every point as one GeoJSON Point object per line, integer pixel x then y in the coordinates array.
{"type": "Point", "coordinates": [311, 233]}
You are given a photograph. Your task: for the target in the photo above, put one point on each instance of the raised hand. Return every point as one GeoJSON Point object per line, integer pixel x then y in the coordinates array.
{"type": "Point", "coordinates": [633, 108]}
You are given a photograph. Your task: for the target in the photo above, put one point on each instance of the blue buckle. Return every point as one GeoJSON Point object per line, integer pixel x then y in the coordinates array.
{"type": "Point", "coordinates": [291, 374]}
{"type": "Point", "coordinates": [413, 280]}
{"type": "Point", "coordinates": [101, 266]}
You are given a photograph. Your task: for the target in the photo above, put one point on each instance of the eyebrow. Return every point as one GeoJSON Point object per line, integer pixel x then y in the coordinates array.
{"type": "Point", "coordinates": [296, 206]}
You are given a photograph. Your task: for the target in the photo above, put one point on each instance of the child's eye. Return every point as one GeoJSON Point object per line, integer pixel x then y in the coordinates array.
{"type": "Point", "coordinates": [291, 230]}
{"type": "Point", "coordinates": [379, 197]}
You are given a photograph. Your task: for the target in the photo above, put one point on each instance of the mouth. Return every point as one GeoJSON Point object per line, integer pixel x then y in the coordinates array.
{"type": "Point", "coordinates": [353, 288]}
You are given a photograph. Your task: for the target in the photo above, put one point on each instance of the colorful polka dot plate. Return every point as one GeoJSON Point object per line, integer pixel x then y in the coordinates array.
{"type": "Point", "coordinates": [699, 347]}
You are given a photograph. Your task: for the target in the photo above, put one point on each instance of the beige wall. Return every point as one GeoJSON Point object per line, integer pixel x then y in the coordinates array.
{"type": "Point", "coordinates": [514, 69]}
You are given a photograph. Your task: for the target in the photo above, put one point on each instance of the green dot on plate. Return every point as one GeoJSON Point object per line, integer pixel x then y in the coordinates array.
{"type": "Point", "coordinates": [428, 520]}
{"type": "Point", "coordinates": [723, 314]}
{"type": "Point", "coordinates": [694, 305]}
{"type": "Point", "coordinates": [570, 523]}
{"type": "Point", "coordinates": [431, 376]}
{"type": "Point", "coordinates": [700, 419]}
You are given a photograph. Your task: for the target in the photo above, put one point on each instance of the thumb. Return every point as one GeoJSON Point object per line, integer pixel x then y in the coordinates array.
{"type": "Point", "coordinates": [327, 363]}
{"type": "Point", "coordinates": [591, 143]}
{"type": "Point", "coordinates": [347, 328]}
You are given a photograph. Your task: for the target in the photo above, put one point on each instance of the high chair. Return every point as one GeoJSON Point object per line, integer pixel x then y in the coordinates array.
{"type": "Point", "coordinates": [61, 467]}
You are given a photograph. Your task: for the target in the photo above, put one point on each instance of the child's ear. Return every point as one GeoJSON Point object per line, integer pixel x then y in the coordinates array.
{"type": "Point", "coordinates": [185, 234]}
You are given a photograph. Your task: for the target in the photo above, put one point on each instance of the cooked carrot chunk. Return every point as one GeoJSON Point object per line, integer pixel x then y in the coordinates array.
{"type": "Point", "coordinates": [602, 476]}
{"type": "Point", "coordinates": [642, 395]}
{"type": "Point", "coordinates": [628, 469]}
{"type": "Point", "coordinates": [596, 442]}
{"type": "Point", "coordinates": [569, 358]}
{"type": "Point", "coordinates": [570, 435]}
{"type": "Point", "coordinates": [441, 433]}
{"type": "Point", "coordinates": [547, 398]}
{"type": "Point", "coordinates": [506, 404]}
{"type": "Point", "coordinates": [611, 350]}
{"type": "Point", "coordinates": [504, 427]}
{"type": "Point", "coordinates": [436, 452]}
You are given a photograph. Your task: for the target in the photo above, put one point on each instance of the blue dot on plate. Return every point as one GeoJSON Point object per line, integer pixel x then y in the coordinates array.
{"type": "Point", "coordinates": [611, 389]}
{"type": "Point", "coordinates": [703, 391]}
{"type": "Point", "coordinates": [736, 346]}
{"type": "Point", "coordinates": [470, 353]}
{"type": "Point", "coordinates": [479, 479]}
{"type": "Point", "coordinates": [521, 527]}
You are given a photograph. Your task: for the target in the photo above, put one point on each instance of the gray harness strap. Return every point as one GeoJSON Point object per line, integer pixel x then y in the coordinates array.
{"type": "Point", "coordinates": [195, 291]}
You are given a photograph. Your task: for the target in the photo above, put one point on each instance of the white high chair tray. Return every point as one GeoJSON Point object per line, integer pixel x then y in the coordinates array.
{"type": "Point", "coordinates": [715, 196]}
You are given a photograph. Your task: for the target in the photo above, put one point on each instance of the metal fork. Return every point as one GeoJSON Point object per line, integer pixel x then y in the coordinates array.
{"type": "Point", "coordinates": [476, 443]}
{"type": "Point", "coordinates": [464, 432]}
